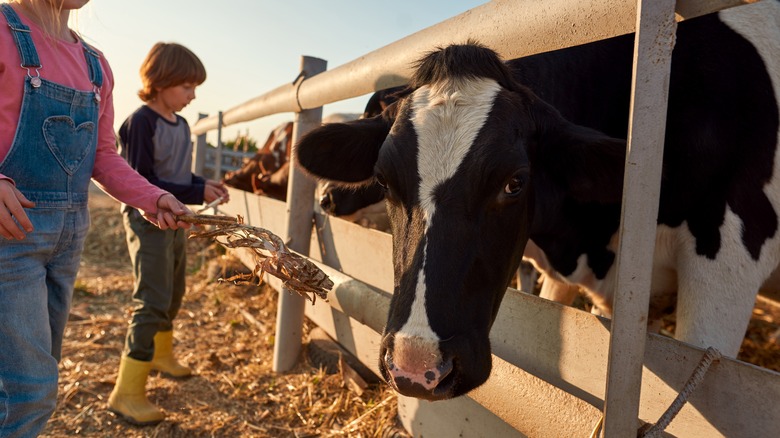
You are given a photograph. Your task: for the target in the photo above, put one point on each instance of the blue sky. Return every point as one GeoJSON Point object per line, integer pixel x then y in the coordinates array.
{"type": "Point", "coordinates": [250, 46]}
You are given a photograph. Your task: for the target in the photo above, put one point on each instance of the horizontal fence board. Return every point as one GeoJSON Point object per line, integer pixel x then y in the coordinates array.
{"type": "Point", "coordinates": [460, 417]}
{"type": "Point", "coordinates": [359, 339]}
{"type": "Point", "coordinates": [342, 245]}
{"type": "Point", "coordinates": [568, 348]}
{"type": "Point", "coordinates": [260, 211]}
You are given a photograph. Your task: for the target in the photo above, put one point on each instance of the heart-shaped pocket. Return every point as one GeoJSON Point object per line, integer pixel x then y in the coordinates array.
{"type": "Point", "coordinates": [69, 144]}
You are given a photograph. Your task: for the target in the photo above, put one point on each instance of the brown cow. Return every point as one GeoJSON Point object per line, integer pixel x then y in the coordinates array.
{"type": "Point", "coordinates": [266, 173]}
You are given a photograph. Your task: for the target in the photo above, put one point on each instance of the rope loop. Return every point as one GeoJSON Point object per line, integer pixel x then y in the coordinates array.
{"type": "Point", "coordinates": [297, 82]}
{"type": "Point", "coordinates": [650, 430]}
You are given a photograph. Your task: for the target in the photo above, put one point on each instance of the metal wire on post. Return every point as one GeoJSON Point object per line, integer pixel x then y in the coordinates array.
{"type": "Point", "coordinates": [650, 430]}
{"type": "Point", "coordinates": [655, 430]}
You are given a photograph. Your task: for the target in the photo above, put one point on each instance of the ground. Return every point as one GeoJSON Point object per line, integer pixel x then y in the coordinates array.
{"type": "Point", "coordinates": [225, 332]}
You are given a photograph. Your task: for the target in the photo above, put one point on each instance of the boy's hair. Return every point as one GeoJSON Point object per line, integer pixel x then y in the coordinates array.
{"type": "Point", "coordinates": [168, 65]}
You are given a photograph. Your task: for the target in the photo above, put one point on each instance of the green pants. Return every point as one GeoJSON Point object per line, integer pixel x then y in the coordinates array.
{"type": "Point", "coordinates": [159, 260]}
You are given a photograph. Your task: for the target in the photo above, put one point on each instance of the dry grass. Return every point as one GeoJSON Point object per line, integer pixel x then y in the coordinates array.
{"type": "Point", "coordinates": [270, 254]}
{"type": "Point", "coordinates": [225, 333]}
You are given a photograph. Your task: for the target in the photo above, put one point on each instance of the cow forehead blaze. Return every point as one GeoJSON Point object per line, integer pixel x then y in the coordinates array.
{"type": "Point", "coordinates": [447, 120]}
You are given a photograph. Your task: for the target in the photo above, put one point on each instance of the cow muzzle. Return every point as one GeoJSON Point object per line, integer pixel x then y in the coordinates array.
{"type": "Point", "coordinates": [415, 367]}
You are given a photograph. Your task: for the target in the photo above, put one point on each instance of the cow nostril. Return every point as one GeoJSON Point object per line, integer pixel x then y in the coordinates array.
{"type": "Point", "coordinates": [432, 384]}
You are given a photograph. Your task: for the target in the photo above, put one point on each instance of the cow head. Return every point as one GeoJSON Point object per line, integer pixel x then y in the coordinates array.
{"type": "Point", "coordinates": [336, 200]}
{"type": "Point", "coordinates": [457, 157]}
{"type": "Point", "coordinates": [339, 201]}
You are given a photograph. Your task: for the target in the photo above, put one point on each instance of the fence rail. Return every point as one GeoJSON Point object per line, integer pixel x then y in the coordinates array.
{"type": "Point", "coordinates": [495, 24]}
{"type": "Point", "coordinates": [230, 161]}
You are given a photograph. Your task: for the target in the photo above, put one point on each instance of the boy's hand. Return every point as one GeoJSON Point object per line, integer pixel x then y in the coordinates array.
{"type": "Point", "coordinates": [214, 190]}
{"type": "Point", "coordinates": [168, 207]}
{"type": "Point", "coordinates": [12, 205]}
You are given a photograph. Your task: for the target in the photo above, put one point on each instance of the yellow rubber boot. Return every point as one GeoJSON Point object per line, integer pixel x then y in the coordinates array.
{"type": "Point", "coordinates": [163, 359]}
{"type": "Point", "coordinates": [128, 398]}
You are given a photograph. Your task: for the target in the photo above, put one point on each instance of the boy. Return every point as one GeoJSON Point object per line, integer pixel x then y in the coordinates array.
{"type": "Point", "coordinates": [156, 142]}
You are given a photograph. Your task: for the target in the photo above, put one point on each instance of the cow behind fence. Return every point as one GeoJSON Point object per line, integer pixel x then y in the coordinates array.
{"type": "Point", "coordinates": [474, 164]}
{"type": "Point", "coordinates": [266, 173]}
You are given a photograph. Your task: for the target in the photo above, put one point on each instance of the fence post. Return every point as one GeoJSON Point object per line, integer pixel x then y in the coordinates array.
{"type": "Point", "coordinates": [655, 36]}
{"type": "Point", "coordinates": [199, 159]}
{"type": "Point", "coordinates": [300, 214]}
{"type": "Point", "coordinates": [218, 160]}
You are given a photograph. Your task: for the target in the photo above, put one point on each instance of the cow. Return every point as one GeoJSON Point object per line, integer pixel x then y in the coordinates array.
{"type": "Point", "coordinates": [362, 202]}
{"type": "Point", "coordinates": [267, 172]}
{"type": "Point", "coordinates": [481, 155]}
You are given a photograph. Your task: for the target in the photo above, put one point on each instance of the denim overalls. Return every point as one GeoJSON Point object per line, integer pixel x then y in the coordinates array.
{"type": "Point", "coordinates": [51, 161]}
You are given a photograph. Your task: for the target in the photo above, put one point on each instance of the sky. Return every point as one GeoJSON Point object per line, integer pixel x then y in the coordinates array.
{"type": "Point", "coordinates": [249, 47]}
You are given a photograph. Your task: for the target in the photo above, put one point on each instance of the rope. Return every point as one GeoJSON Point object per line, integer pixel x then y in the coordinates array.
{"type": "Point", "coordinates": [655, 430]}
{"type": "Point", "coordinates": [299, 80]}
{"type": "Point", "coordinates": [597, 429]}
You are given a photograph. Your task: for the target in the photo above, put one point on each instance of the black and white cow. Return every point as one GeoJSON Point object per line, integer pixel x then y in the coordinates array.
{"type": "Point", "coordinates": [481, 155]}
{"type": "Point", "coordinates": [353, 204]}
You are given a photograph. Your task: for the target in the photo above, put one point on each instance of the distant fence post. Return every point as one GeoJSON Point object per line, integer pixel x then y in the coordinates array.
{"type": "Point", "coordinates": [300, 211]}
{"type": "Point", "coordinates": [218, 161]}
{"type": "Point", "coordinates": [199, 159]}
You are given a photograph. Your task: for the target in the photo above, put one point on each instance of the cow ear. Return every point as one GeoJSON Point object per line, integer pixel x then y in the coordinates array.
{"type": "Point", "coordinates": [601, 169]}
{"type": "Point", "coordinates": [587, 162]}
{"type": "Point", "coordinates": [343, 152]}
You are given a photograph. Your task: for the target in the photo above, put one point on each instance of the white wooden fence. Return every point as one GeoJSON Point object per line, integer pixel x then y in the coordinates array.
{"type": "Point", "coordinates": [554, 366]}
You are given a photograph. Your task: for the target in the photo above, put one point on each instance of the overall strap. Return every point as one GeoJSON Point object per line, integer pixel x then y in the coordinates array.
{"type": "Point", "coordinates": [24, 42]}
{"type": "Point", "coordinates": [93, 61]}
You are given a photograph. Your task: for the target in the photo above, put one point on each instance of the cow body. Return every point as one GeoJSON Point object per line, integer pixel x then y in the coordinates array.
{"type": "Point", "coordinates": [480, 156]}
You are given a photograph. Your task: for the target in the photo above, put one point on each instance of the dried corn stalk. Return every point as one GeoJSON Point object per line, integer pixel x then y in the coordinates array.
{"type": "Point", "coordinates": [270, 254]}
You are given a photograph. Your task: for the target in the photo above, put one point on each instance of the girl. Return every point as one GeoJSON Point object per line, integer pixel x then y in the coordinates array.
{"type": "Point", "coordinates": [56, 132]}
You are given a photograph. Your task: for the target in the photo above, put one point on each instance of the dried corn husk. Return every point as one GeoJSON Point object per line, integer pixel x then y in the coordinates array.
{"type": "Point", "coordinates": [270, 253]}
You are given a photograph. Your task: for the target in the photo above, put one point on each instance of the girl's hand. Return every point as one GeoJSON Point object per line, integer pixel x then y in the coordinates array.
{"type": "Point", "coordinates": [12, 205]}
{"type": "Point", "coordinates": [168, 207]}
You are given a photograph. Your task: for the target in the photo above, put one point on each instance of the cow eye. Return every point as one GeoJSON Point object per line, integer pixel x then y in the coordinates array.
{"type": "Point", "coordinates": [381, 180]}
{"type": "Point", "coordinates": [515, 185]}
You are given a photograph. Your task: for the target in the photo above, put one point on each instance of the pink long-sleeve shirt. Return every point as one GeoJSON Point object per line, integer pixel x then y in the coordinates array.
{"type": "Point", "coordinates": [64, 63]}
